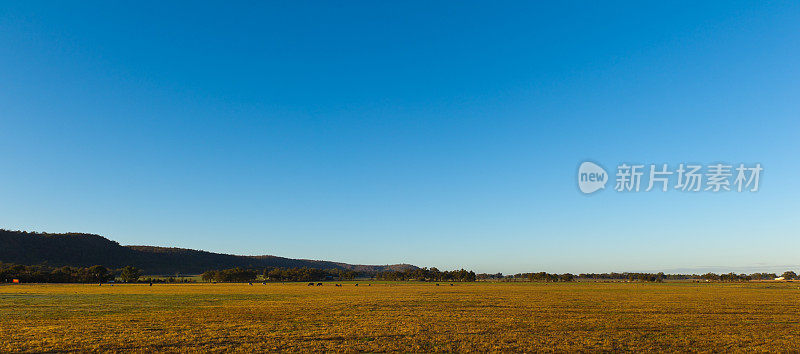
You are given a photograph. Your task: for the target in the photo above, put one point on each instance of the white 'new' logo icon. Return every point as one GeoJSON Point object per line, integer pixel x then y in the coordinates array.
{"type": "Point", "coordinates": [591, 177]}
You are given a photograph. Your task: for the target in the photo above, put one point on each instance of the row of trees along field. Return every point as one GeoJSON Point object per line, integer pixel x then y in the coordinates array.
{"type": "Point", "coordinates": [99, 274]}
{"type": "Point", "coordinates": [47, 274]}
{"type": "Point", "coordinates": [312, 274]}
{"type": "Point", "coordinates": [641, 277]}
{"type": "Point", "coordinates": [277, 274]}
{"type": "Point", "coordinates": [426, 274]}
{"type": "Point", "coordinates": [531, 277]}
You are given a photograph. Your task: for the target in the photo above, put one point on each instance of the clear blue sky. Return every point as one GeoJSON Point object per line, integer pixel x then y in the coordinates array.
{"type": "Point", "coordinates": [440, 134]}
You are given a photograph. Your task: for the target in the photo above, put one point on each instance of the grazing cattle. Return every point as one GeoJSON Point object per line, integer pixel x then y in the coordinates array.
{"type": "Point", "coordinates": [451, 284]}
{"type": "Point", "coordinates": [437, 284]}
{"type": "Point", "coordinates": [251, 284]}
{"type": "Point", "coordinates": [310, 284]}
{"type": "Point", "coordinates": [356, 284]}
{"type": "Point", "coordinates": [264, 283]}
{"type": "Point", "coordinates": [369, 284]}
{"type": "Point", "coordinates": [319, 284]}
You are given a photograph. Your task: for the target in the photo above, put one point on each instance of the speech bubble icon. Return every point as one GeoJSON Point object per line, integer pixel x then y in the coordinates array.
{"type": "Point", "coordinates": [591, 177]}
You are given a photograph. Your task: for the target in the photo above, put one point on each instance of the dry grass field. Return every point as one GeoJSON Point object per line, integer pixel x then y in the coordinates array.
{"type": "Point", "coordinates": [401, 317]}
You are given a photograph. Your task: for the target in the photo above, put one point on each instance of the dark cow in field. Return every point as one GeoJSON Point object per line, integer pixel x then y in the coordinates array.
{"type": "Point", "coordinates": [356, 284]}
{"type": "Point", "coordinates": [319, 284]}
{"type": "Point", "coordinates": [310, 284]}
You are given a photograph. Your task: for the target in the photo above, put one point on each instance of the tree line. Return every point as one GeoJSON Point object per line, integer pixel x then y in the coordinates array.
{"type": "Point", "coordinates": [543, 277]}
{"type": "Point", "coordinates": [733, 277]}
{"type": "Point", "coordinates": [314, 274]}
{"type": "Point", "coordinates": [301, 274]}
{"type": "Point", "coordinates": [101, 274]}
{"type": "Point", "coordinates": [425, 274]}
{"type": "Point", "coordinates": [633, 276]}
{"type": "Point", "coordinates": [66, 274]}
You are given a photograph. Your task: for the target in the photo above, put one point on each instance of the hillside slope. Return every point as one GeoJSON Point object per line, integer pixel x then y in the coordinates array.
{"type": "Point", "coordinates": [78, 249]}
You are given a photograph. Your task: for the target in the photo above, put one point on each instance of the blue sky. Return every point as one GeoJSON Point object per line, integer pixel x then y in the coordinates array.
{"type": "Point", "coordinates": [438, 134]}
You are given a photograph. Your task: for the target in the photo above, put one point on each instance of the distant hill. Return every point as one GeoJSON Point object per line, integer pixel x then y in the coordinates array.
{"type": "Point", "coordinates": [84, 250]}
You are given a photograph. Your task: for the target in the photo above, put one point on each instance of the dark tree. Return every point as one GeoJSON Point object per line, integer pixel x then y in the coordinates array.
{"type": "Point", "coordinates": [99, 273]}
{"type": "Point", "coordinates": [130, 274]}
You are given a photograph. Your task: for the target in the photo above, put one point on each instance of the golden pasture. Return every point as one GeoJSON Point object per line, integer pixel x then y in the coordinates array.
{"type": "Point", "coordinates": [401, 317]}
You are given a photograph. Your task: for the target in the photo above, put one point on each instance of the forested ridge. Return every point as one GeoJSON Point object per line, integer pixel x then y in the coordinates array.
{"type": "Point", "coordinates": [86, 250]}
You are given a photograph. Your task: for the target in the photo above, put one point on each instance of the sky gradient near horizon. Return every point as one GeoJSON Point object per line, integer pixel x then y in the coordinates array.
{"type": "Point", "coordinates": [438, 134]}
